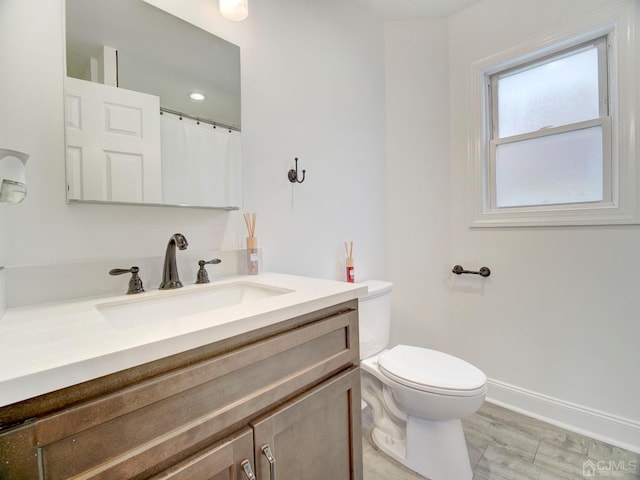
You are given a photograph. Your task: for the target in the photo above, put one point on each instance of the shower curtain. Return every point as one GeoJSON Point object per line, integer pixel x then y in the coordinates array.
{"type": "Point", "coordinates": [201, 165]}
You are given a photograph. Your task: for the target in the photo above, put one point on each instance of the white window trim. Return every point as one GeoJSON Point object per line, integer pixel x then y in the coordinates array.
{"type": "Point", "coordinates": [619, 21]}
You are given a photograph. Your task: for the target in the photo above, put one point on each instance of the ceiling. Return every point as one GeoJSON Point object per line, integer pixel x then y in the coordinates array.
{"type": "Point", "coordinates": [415, 9]}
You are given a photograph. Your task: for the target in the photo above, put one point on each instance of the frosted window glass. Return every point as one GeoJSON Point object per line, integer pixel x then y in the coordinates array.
{"type": "Point", "coordinates": [559, 92]}
{"type": "Point", "coordinates": [555, 169]}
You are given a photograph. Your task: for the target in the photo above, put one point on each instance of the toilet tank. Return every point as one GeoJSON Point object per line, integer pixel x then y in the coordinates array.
{"type": "Point", "coordinates": [374, 313]}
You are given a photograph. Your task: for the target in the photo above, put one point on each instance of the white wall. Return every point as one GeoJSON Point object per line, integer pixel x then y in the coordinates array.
{"type": "Point", "coordinates": [556, 325]}
{"type": "Point", "coordinates": [312, 86]}
{"type": "Point", "coordinates": [417, 81]}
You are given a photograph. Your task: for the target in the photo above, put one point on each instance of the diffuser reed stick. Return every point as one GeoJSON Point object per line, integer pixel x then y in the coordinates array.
{"type": "Point", "coordinates": [250, 222]}
{"type": "Point", "coordinates": [252, 243]}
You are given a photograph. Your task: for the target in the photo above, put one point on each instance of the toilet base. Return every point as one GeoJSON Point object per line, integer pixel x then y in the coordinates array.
{"type": "Point", "coordinates": [435, 449]}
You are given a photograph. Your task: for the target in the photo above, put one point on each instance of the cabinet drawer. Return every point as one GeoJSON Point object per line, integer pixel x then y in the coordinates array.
{"type": "Point", "coordinates": [148, 427]}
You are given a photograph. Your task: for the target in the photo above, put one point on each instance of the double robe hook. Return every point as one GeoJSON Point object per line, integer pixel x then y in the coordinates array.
{"type": "Point", "coordinates": [293, 174]}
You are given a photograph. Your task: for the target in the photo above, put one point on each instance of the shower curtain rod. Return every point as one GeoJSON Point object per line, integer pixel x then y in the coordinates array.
{"type": "Point", "coordinates": [202, 120]}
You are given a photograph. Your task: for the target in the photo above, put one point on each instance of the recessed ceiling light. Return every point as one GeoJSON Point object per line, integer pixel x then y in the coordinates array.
{"type": "Point", "coordinates": [196, 96]}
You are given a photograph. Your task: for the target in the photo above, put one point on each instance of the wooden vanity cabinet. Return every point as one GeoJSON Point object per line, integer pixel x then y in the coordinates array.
{"type": "Point", "coordinates": [207, 413]}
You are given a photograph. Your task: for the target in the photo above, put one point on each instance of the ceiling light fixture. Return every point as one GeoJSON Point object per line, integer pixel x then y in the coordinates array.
{"type": "Point", "coordinates": [196, 96]}
{"type": "Point", "coordinates": [235, 10]}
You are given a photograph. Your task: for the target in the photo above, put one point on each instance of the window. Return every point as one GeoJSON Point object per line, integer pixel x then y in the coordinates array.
{"type": "Point", "coordinates": [550, 141]}
{"type": "Point", "coordinates": [553, 136]}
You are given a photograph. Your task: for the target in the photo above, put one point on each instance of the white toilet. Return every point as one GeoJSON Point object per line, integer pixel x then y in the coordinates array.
{"type": "Point", "coordinates": [417, 395]}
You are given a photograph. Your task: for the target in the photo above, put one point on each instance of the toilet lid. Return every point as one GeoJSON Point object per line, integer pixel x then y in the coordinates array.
{"type": "Point", "coordinates": [431, 371]}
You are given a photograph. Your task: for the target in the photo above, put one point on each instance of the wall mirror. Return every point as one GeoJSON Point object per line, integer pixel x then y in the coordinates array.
{"type": "Point", "coordinates": [134, 132]}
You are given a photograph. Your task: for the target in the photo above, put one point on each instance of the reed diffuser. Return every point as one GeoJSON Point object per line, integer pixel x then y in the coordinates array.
{"type": "Point", "coordinates": [351, 278]}
{"type": "Point", "coordinates": [252, 244]}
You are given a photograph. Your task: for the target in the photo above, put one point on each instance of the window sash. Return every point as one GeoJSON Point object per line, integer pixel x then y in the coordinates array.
{"type": "Point", "coordinates": [608, 188]}
{"type": "Point", "coordinates": [602, 46]}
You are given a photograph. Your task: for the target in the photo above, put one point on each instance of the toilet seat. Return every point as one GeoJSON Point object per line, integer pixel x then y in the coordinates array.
{"type": "Point", "coordinates": [432, 371]}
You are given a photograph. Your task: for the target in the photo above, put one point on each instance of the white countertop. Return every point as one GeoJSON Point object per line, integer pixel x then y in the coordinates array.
{"type": "Point", "coordinates": [56, 345]}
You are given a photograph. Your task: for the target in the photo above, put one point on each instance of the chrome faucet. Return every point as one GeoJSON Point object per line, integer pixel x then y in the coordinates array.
{"type": "Point", "coordinates": [170, 277]}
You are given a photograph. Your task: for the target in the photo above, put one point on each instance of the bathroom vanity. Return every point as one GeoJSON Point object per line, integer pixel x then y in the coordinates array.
{"type": "Point", "coordinates": [269, 389]}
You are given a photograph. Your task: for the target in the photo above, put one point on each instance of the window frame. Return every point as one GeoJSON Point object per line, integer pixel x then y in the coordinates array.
{"type": "Point", "coordinates": [621, 203]}
{"type": "Point", "coordinates": [602, 44]}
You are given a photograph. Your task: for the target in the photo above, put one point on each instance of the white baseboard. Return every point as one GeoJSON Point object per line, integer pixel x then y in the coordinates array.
{"type": "Point", "coordinates": [618, 431]}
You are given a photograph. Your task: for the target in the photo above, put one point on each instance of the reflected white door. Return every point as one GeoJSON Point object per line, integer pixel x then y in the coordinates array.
{"type": "Point", "coordinates": [113, 144]}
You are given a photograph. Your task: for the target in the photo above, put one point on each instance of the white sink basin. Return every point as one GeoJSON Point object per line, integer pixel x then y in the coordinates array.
{"type": "Point", "coordinates": [175, 304]}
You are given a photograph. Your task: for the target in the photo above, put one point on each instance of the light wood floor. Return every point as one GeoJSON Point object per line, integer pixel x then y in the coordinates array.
{"type": "Point", "coordinates": [504, 445]}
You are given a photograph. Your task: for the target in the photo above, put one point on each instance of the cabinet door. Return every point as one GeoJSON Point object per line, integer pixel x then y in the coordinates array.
{"type": "Point", "coordinates": [316, 436]}
{"type": "Point", "coordinates": [224, 461]}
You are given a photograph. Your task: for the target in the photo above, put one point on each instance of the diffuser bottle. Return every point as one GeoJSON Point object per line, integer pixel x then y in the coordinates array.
{"type": "Point", "coordinates": [351, 277]}
{"type": "Point", "coordinates": [348, 248]}
{"type": "Point", "coordinates": [252, 255]}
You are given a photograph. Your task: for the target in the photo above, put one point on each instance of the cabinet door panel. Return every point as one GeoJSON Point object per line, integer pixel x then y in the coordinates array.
{"type": "Point", "coordinates": [219, 462]}
{"type": "Point", "coordinates": [315, 436]}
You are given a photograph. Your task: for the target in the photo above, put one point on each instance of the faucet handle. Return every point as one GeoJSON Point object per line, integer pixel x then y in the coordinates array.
{"type": "Point", "coordinates": [135, 284]}
{"type": "Point", "coordinates": [203, 276]}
